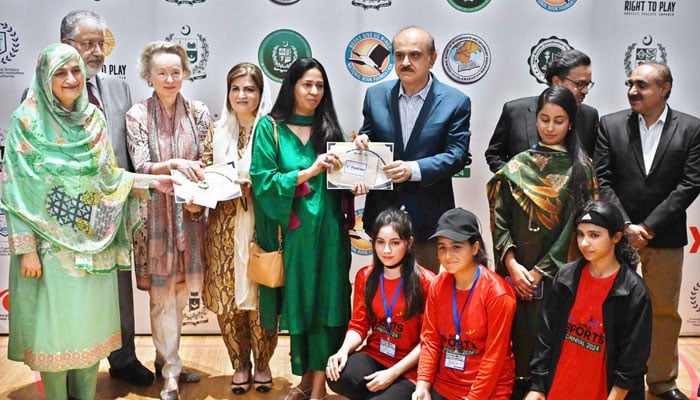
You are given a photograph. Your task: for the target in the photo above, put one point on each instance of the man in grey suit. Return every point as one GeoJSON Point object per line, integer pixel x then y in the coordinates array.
{"type": "Point", "coordinates": [516, 130]}
{"type": "Point", "coordinates": [648, 163]}
{"type": "Point", "coordinates": [84, 30]}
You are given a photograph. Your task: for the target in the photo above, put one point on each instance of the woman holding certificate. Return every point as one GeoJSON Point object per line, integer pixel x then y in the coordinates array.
{"type": "Point", "coordinates": [227, 290]}
{"type": "Point", "coordinates": [166, 132]}
{"type": "Point", "coordinates": [288, 176]}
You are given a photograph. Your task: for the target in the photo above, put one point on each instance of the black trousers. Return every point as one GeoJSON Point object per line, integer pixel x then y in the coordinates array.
{"type": "Point", "coordinates": [353, 385]}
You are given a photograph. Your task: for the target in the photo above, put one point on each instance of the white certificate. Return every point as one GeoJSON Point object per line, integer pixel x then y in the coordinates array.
{"type": "Point", "coordinates": [360, 166]}
{"type": "Point", "coordinates": [218, 185]}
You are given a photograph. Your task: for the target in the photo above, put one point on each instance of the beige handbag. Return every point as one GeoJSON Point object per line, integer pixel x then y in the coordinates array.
{"type": "Point", "coordinates": [267, 268]}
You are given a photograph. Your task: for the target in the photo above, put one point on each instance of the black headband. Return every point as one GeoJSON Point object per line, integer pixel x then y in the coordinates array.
{"type": "Point", "coordinates": [592, 217]}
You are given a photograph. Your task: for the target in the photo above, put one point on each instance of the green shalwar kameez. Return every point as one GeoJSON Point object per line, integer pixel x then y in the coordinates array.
{"type": "Point", "coordinates": [66, 200]}
{"type": "Point", "coordinates": [315, 301]}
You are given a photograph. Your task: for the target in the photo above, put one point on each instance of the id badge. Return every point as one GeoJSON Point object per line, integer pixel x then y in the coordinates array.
{"type": "Point", "coordinates": [387, 348]}
{"type": "Point", "coordinates": [455, 359]}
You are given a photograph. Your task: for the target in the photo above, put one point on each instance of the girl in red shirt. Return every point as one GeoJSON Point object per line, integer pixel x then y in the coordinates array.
{"type": "Point", "coordinates": [388, 304]}
{"type": "Point", "coordinates": [466, 349]}
{"type": "Point", "coordinates": [594, 337]}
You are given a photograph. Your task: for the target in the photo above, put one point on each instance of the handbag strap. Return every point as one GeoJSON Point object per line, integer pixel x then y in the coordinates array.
{"type": "Point", "coordinates": [277, 147]}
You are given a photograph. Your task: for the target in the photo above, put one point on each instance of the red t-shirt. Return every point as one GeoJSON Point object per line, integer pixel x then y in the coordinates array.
{"type": "Point", "coordinates": [581, 371]}
{"type": "Point", "coordinates": [404, 334]}
{"type": "Point", "coordinates": [485, 339]}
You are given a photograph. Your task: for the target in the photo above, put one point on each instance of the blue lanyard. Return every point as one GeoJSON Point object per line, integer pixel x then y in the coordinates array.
{"type": "Point", "coordinates": [457, 318]}
{"type": "Point", "coordinates": [389, 310]}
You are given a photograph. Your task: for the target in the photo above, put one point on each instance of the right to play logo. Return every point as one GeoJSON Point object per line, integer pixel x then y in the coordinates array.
{"type": "Point", "coordinates": [542, 53]}
{"type": "Point", "coordinates": [368, 57]}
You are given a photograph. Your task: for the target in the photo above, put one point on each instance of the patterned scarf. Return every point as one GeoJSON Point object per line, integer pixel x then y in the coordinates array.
{"type": "Point", "coordinates": [61, 176]}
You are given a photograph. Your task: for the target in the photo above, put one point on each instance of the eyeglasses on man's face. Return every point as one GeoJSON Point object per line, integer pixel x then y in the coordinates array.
{"type": "Point", "coordinates": [89, 44]}
{"type": "Point", "coordinates": [580, 85]}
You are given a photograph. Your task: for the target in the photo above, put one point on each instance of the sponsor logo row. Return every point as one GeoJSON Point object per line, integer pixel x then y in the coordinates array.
{"type": "Point", "coordinates": [368, 55]}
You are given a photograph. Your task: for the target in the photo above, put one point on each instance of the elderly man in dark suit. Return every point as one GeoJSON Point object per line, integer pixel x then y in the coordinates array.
{"type": "Point", "coordinates": [84, 30]}
{"type": "Point", "coordinates": [648, 163]}
{"type": "Point", "coordinates": [516, 130]}
{"type": "Point", "coordinates": [428, 122]}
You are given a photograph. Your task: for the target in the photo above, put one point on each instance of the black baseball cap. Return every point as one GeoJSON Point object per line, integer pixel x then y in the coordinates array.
{"type": "Point", "coordinates": [457, 224]}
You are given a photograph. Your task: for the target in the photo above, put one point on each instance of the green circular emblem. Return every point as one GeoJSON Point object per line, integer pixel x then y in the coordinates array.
{"type": "Point", "coordinates": [279, 50]}
{"type": "Point", "coordinates": [469, 5]}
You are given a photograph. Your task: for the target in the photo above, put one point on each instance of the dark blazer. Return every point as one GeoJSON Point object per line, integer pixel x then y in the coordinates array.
{"type": "Point", "coordinates": [516, 131]}
{"type": "Point", "coordinates": [661, 198]}
{"type": "Point", "coordinates": [439, 143]}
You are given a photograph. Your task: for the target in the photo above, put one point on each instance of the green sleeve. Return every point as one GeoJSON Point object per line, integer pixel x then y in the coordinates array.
{"type": "Point", "coordinates": [273, 188]}
{"type": "Point", "coordinates": [21, 236]}
{"type": "Point", "coordinates": [500, 206]}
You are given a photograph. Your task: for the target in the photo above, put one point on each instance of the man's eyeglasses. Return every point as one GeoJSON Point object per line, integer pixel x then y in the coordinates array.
{"type": "Point", "coordinates": [89, 44]}
{"type": "Point", "coordinates": [580, 85]}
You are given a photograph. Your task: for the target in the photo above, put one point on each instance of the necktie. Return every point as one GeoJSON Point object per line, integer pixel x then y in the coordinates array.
{"type": "Point", "coordinates": [92, 98]}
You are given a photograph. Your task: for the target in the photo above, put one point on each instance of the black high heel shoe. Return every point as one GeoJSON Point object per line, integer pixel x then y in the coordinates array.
{"type": "Point", "coordinates": [239, 388]}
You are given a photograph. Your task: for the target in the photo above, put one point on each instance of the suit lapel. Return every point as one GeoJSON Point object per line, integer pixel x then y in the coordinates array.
{"type": "Point", "coordinates": [636, 141]}
{"type": "Point", "coordinates": [101, 91]}
{"type": "Point", "coordinates": [432, 101]}
{"type": "Point", "coordinates": [667, 133]}
{"type": "Point", "coordinates": [393, 102]}
{"type": "Point", "coordinates": [531, 124]}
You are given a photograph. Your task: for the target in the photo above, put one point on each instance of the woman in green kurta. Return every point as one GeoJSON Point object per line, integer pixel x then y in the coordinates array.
{"type": "Point", "coordinates": [533, 201]}
{"type": "Point", "coordinates": [288, 174]}
{"type": "Point", "coordinates": [68, 220]}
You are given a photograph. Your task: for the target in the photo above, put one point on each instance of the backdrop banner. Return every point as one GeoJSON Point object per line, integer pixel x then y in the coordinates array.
{"type": "Point", "coordinates": [493, 51]}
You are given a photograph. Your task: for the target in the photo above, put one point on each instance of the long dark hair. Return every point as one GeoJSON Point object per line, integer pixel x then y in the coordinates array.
{"type": "Point", "coordinates": [614, 222]}
{"type": "Point", "coordinates": [325, 127]}
{"type": "Point", "coordinates": [414, 301]}
{"type": "Point", "coordinates": [582, 165]}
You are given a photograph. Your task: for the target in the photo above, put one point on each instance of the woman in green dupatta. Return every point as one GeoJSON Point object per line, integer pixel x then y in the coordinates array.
{"type": "Point", "coordinates": [533, 200]}
{"type": "Point", "coordinates": [69, 219]}
{"type": "Point", "coordinates": [288, 174]}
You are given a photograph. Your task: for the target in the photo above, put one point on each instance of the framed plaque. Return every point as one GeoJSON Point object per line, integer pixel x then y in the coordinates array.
{"type": "Point", "coordinates": [358, 165]}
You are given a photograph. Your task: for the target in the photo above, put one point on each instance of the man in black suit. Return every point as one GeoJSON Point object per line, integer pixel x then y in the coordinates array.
{"type": "Point", "coordinates": [648, 163]}
{"type": "Point", "coordinates": [516, 130]}
{"type": "Point", "coordinates": [84, 30]}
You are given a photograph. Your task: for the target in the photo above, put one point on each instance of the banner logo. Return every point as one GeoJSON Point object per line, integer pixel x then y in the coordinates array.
{"type": "Point", "coordinates": [469, 5]}
{"type": "Point", "coordinates": [197, 50]}
{"type": "Point", "coordinates": [542, 53]}
{"type": "Point", "coordinates": [636, 55]}
{"type": "Point", "coordinates": [368, 57]}
{"type": "Point", "coordinates": [9, 43]}
{"type": "Point", "coordinates": [466, 58]}
{"type": "Point", "coordinates": [284, 2]}
{"type": "Point", "coordinates": [278, 51]}
{"type": "Point", "coordinates": [190, 2]}
{"type": "Point", "coordinates": [649, 8]}
{"type": "Point", "coordinates": [116, 70]}
{"type": "Point", "coordinates": [4, 304]}
{"type": "Point", "coordinates": [556, 5]}
{"type": "Point", "coordinates": [694, 298]}
{"type": "Point", "coordinates": [371, 3]}
{"type": "Point", "coordinates": [360, 243]}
